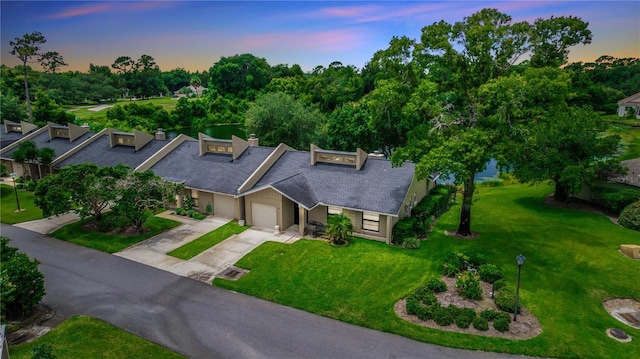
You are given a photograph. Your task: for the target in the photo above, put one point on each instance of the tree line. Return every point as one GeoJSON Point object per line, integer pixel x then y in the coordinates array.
{"type": "Point", "coordinates": [464, 93]}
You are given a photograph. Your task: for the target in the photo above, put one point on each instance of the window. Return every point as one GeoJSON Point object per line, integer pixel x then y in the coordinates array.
{"type": "Point", "coordinates": [194, 197]}
{"type": "Point", "coordinates": [334, 210]}
{"type": "Point", "coordinates": [229, 149]}
{"type": "Point", "coordinates": [120, 140]}
{"type": "Point", "coordinates": [371, 222]}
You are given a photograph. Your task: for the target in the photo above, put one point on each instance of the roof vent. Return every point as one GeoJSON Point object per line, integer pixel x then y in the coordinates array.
{"type": "Point", "coordinates": [376, 154]}
{"type": "Point", "coordinates": [253, 140]}
{"type": "Point", "coordinates": [160, 135]}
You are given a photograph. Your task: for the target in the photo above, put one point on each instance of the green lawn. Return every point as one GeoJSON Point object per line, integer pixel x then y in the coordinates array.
{"type": "Point", "coordinates": [8, 206]}
{"type": "Point", "coordinates": [110, 243]}
{"type": "Point", "coordinates": [84, 114]}
{"type": "Point", "coordinates": [630, 140]}
{"type": "Point", "coordinates": [85, 337]}
{"type": "Point", "coordinates": [207, 241]}
{"type": "Point", "coordinates": [572, 265]}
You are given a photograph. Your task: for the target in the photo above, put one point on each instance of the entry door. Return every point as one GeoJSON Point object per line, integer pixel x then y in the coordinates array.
{"type": "Point", "coordinates": [264, 215]}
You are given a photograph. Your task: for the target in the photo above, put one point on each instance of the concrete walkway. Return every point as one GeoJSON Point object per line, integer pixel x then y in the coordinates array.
{"type": "Point", "coordinates": [153, 251]}
{"type": "Point", "coordinates": [210, 263]}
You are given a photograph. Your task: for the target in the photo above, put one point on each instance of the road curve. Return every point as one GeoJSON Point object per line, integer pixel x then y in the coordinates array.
{"type": "Point", "coordinates": [198, 320]}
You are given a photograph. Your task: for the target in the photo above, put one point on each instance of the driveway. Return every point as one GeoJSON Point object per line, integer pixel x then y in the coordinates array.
{"type": "Point", "coordinates": [211, 263]}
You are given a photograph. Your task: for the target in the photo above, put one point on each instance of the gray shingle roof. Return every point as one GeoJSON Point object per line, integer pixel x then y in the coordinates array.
{"type": "Point", "coordinates": [377, 187]}
{"type": "Point", "coordinates": [210, 172]}
{"type": "Point", "coordinates": [59, 145]}
{"type": "Point", "coordinates": [101, 154]}
{"type": "Point", "coordinates": [7, 138]}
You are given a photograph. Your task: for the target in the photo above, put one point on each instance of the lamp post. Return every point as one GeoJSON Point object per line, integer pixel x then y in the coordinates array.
{"type": "Point", "coordinates": [13, 176]}
{"type": "Point", "coordinates": [520, 260]}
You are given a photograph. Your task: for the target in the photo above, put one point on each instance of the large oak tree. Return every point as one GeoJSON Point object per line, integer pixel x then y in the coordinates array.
{"type": "Point", "coordinates": [460, 58]}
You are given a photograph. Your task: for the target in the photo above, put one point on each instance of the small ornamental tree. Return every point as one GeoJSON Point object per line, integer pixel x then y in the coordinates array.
{"type": "Point", "coordinates": [21, 283]}
{"type": "Point", "coordinates": [339, 229]}
{"type": "Point", "coordinates": [142, 193]}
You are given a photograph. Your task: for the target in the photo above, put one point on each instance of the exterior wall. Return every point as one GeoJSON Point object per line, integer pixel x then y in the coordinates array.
{"type": "Point", "coordinates": [417, 191]}
{"type": "Point", "coordinates": [266, 196]}
{"type": "Point", "coordinates": [204, 199]}
{"type": "Point", "coordinates": [288, 208]}
{"type": "Point", "coordinates": [318, 214]}
{"type": "Point", "coordinates": [224, 205]}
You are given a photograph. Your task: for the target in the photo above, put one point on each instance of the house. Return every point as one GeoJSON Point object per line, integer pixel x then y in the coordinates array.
{"type": "Point", "coordinates": [629, 103]}
{"type": "Point", "coordinates": [13, 131]}
{"type": "Point", "coordinates": [269, 187]}
{"type": "Point", "coordinates": [57, 137]}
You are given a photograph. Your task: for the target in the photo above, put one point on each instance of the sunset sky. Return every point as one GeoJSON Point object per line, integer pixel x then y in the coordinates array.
{"type": "Point", "coordinates": [195, 34]}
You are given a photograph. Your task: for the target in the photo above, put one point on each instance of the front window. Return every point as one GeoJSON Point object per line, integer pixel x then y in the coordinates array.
{"type": "Point", "coordinates": [371, 222]}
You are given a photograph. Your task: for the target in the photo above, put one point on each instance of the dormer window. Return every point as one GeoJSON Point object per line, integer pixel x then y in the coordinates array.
{"type": "Point", "coordinates": [216, 145]}
{"type": "Point", "coordinates": [355, 159]}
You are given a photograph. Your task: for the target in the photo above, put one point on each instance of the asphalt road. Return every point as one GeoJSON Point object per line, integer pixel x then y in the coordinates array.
{"type": "Point", "coordinates": [198, 320]}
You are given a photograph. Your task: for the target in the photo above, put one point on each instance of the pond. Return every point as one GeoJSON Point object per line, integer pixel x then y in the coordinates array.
{"type": "Point", "coordinates": [223, 131]}
{"type": "Point", "coordinates": [491, 171]}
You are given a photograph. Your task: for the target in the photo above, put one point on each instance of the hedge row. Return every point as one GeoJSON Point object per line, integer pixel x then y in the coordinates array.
{"type": "Point", "coordinates": [406, 231]}
{"type": "Point", "coordinates": [615, 200]}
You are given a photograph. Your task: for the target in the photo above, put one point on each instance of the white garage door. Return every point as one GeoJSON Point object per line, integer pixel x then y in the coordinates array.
{"type": "Point", "coordinates": [264, 215]}
{"type": "Point", "coordinates": [224, 206]}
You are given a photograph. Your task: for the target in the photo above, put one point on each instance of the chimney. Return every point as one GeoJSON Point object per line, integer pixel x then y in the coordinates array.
{"type": "Point", "coordinates": [160, 135]}
{"type": "Point", "coordinates": [253, 140]}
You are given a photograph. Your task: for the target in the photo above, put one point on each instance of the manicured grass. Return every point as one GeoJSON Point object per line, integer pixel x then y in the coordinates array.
{"type": "Point", "coordinates": [207, 241]}
{"type": "Point", "coordinates": [84, 114]}
{"type": "Point", "coordinates": [8, 206]}
{"type": "Point", "coordinates": [573, 264]}
{"type": "Point", "coordinates": [630, 140]}
{"type": "Point", "coordinates": [74, 233]}
{"type": "Point", "coordinates": [85, 337]}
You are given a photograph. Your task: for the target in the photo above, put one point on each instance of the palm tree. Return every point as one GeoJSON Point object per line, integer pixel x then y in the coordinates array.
{"type": "Point", "coordinates": [339, 229]}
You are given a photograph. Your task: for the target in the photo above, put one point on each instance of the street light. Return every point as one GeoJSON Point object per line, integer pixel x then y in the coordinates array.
{"type": "Point", "coordinates": [13, 176]}
{"type": "Point", "coordinates": [520, 260]}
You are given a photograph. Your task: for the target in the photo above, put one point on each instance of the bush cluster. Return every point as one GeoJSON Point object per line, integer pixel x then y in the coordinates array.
{"type": "Point", "coordinates": [615, 200]}
{"type": "Point", "coordinates": [630, 216]}
{"type": "Point", "coordinates": [190, 213]}
{"type": "Point", "coordinates": [506, 299]}
{"type": "Point", "coordinates": [21, 283]}
{"type": "Point", "coordinates": [112, 222]}
{"type": "Point", "coordinates": [436, 285]}
{"type": "Point", "coordinates": [418, 225]}
{"type": "Point", "coordinates": [502, 322]}
{"type": "Point", "coordinates": [456, 262]}
{"type": "Point", "coordinates": [468, 285]}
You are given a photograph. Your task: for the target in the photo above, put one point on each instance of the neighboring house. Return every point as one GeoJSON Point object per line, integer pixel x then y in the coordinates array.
{"type": "Point", "coordinates": [189, 89]}
{"type": "Point", "coordinates": [110, 147]}
{"type": "Point", "coordinates": [57, 137]}
{"type": "Point", "coordinates": [630, 103]}
{"type": "Point", "coordinates": [13, 131]}
{"type": "Point", "coordinates": [265, 186]}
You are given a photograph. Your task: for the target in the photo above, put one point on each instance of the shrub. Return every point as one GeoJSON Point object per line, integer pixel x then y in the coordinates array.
{"type": "Point", "coordinates": [501, 324]}
{"type": "Point", "coordinates": [490, 273]}
{"type": "Point", "coordinates": [413, 305]}
{"type": "Point", "coordinates": [404, 228]}
{"type": "Point", "coordinates": [425, 295]}
{"type": "Point", "coordinates": [442, 316]}
{"type": "Point", "coordinates": [425, 313]}
{"type": "Point", "coordinates": [188, 203]}
{"type": "Point", "coordinates": [463, 321]}
{"type": "Point", "coordinates": [180, 211]}
{"type": "Point", "coordinates": [434, 203]}
{"type": "Point", "coordinates": [209, 208]}
{"type": "Point", "coordinates": [499, 284]}
{"type": "Point", "coordinates": [489, 314]}
{"type": "Point", "coordinates": [630, 216]}
{"type": "Point", "coordinates": [615, 200]}
{"type": "Point", "coordinates": [30, 185]}
{"type": "Point", "coordinates": [506, 299]}
{"type": "Point", "coordinates": [411, 243]}
{"type": "Point", "coordinates": [481, 323]}
{"type": "Point", "coordinates": [468, 285]}
{"type": "Point", "coordinates": [436, 285]}
{"type": "Point", "coordinates": [453, 264]}
{"type": "Point", "coordinates": [198, 216]}
{"type": "Point", "coordinates": [3, 170]}
{"type": "Point", "coordinates": [454, 310]}
{"type": "Point", "coordinates": [21, 283]}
